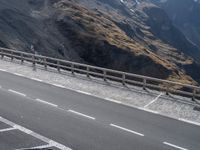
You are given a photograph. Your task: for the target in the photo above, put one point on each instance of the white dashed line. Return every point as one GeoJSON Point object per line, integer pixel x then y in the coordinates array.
{"type": "Point", "coordinates": [58, 85]}
{"type": "Point", "coordinates": [112, 100]}
{"type": "Point", "coordinates": [153, 100]}
{"type": "Point", "coordinates": [18, 74]}
{"type": "Point", "coordinates": [45, 102]}
{"type": "Point", "coordinates": [125, 129]}
{"type": "Point", "coordinates": [36, 79]}
{"type": "Point", "coordinates": [174, 146]}
{"type": "Point", "coordinates": [16, 92]}
{"type": "Point", "coordinates": [188, 121]}
{"type": "Point", "coordinates": [81, 114]}
{"type": "Point", "coordinates": [7, 129]}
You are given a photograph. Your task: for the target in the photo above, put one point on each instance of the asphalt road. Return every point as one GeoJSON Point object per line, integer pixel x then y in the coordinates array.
{"type": "Point", "coordinates": [84, 122]}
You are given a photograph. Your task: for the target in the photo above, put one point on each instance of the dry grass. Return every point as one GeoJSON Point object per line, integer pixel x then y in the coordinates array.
{"type": "Point", "coordinates": [99, 25]}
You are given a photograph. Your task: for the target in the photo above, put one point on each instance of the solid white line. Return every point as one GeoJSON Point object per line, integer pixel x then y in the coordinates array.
{"type": "Point", "coordinates": [58, 145]}
{"type": "Point", "coordinates": [37, 147]}
{"type": "Point", "coordinates": [2, 70]}
{"type": "Point", "coordinates": [18, 74]}
{"type": "Point", "coordinates": [6, 121]}
{"type": "Point", "coordinates": [36, 79]}
{"type": "Point", "coordinates": [188, 121]}
{"type": "Point", "coordinates": [148, 110]}
{"type": "Point", "coordinates": [153, 100]}
{"type": "Point", "coordinates": [82, 92]}
{"type": "Point", "coordinates": [112, 100]}
{"type": "Point", "coordinates": [45, 102]}
{"type": "Point", "coordinates": [151, 111]}
{"type": "Point", "coordinates": [36, 135]}
{"type": "Point", "coordinates": [58, 85]}
{"type": "Point", "coordinates": [125, 129]}
{"type": "Point", "coordinates": [27, 131]}
{"type": "Point", "coordinates": [175, 146]}
{"type": "Point", "coordinates": [16, 92]}
{"type": "Point", "coordinates": [81, 114]}
{"type": "Point", "coordinates": [7, 129]}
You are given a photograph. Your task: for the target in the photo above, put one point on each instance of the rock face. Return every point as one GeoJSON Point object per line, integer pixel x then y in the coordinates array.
{"type": "Point", "coordinates": [129, 35]}
{"type": "Point", "coordinates": [2, 44]}
{"type": "Point", "coordinates": [185, 15]}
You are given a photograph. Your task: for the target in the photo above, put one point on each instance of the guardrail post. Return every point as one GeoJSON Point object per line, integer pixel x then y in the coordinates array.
{"type": "Point", "coordinates": [2, 55]}
{"type": "Point", "coordinates": [144, 83]}
{"type": "Point", "coordinates": [34, 64]}
{"type": "Point", "coordinates": [12, 56]}
{"type": "Point", "coordinates": [45, 63]}
{"type": "Point", "coordinates": [72, 68]}
{"type": "Point", "coordinates": [58, 66]}
{"type": "Point", "coordinates": [22, 59]}
{"type": "Point", "coordinates": [88, 70]}
{"type": "Point", "coordinates": [167, 90]}
{"type": "Point", "coordinates": [104, 75]}
{"type": "Point", "coordinates": [123, 79]}
{"type": "Point", "coordinates": [194, 94]}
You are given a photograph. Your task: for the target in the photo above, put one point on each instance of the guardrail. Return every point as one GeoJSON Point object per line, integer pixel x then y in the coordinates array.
{"type": "Point", "coordinates": [105, 74]}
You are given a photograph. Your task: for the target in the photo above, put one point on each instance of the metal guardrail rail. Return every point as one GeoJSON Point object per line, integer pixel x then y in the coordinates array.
{"type": "Point", "coordinates": [106, 74]}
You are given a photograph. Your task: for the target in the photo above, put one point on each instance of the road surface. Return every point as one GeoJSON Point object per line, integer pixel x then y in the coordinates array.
{"type": "Point", "coordinates": [36, 114]}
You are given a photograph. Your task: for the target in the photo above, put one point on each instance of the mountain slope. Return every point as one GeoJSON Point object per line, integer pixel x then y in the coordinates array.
{"type": "Point", "coordinates": [185, 15]}
{"type": "Point", "coordinates": [98, 40]}
{"type": "Point", "coordinates": [116, 34]}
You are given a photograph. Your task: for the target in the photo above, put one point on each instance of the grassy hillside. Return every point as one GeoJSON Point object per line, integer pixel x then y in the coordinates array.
{"type": "Point", "coordinates": [128, 38]}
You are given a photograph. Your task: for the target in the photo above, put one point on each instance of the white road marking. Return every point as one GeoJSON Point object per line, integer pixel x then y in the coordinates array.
{"type": "Point", "coordinates": [82, 92]}
{"type": "Point", "coordinates": [16, 92]}
{"type": "Point", "coordinates": [151, 111]}
{"type": "Point", "coordinates": [36, 135]}
{"type": "Point", "coordinates": [7, 129]}
{"type": "Point", "coordinates": [58, 85]}
{"type": "Point", "coordinates": [6, 121]}
{"type": "Point", "coordinates": [148, 110]}
{"type": "Point", "coordinates": [174, 146]}
{"type": "Point", "coordinates": [188, 121]}
{"type": "Point", "coordinates": [125, 129]}
{"type": "Point", "coordinates": [81, 114]}
{"type": "Point", "coordinates": [36, 79]}
{"type": "Point", "coordinates": [2, 70]}
{"type": "Point", "coordinates": [27, 131]}
{"type": "Point", "coordinates": [18, 74]}
{"type": "Point", "coordinates": [45, 102]}
{"type": "Point", "coordinates": [37, 147]}
{"type": "Point", "coordinates": [153, 100]}
{"type": "Point", "coordinates": [112, 100]}
{"type": "Point", "coordinates": [58, 145]}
